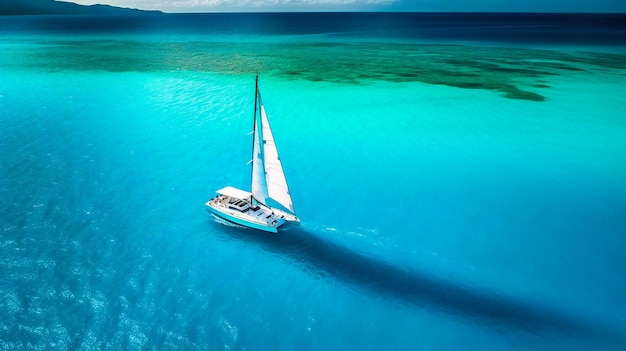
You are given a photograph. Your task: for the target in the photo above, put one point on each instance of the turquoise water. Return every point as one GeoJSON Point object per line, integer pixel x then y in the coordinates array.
{"type": "Point", "coordinates": [450, 195]}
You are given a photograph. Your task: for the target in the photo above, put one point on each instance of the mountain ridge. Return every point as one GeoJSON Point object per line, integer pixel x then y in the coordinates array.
{"type": "Point", "coordinates": [52, 7]}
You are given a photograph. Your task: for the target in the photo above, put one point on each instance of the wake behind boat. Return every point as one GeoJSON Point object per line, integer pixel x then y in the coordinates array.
{"type": "Point", "coordinates": [269, 205]}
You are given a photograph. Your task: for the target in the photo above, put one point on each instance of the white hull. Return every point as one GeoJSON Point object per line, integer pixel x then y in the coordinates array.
{"type": "Point", "coordinates": [241, 212]}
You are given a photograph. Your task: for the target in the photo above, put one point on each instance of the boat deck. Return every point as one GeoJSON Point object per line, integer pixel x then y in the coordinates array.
{"type": "Point", "coordinates": [241, 211]}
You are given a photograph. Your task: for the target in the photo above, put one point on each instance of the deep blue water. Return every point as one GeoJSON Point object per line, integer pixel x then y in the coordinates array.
{"type": "Point", "coordinates": [554, 28]}
{"type": "Point", "coordinates": [460, 179]}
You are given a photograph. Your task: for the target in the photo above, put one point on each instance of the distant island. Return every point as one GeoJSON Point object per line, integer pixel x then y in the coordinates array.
{"type": "Point", "coordinates": [52, 7]}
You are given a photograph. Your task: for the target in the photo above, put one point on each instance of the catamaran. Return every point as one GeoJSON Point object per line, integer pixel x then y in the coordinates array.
{"type": "Point", "coordinates": [269, 205]}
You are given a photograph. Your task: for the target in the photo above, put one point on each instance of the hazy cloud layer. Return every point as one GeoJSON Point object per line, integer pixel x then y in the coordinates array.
{"type": "Point", "coordinates": [608, 6]}
{"type": "Point", "coordinates": [243, 5]}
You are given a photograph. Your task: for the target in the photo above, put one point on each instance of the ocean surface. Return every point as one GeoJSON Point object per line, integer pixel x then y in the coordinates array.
{"type": "Point", "coordinates": [461, 180]}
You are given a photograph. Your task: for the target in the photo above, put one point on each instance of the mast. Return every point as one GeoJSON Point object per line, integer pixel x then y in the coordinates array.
{"type": "Point", "coordinates": [256, 94]}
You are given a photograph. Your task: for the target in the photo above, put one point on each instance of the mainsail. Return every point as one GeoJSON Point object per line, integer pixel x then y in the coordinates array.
{"type": "Point", "coordinates": [259, 185]}
{"type": "Point", "coordinates": [268, 177]}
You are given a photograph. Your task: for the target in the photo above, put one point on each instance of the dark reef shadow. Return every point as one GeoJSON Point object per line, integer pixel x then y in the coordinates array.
{"type": "Point", "coordinates": [417, 288]}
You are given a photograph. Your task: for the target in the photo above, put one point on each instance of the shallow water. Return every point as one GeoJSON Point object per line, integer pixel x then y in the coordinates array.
{"type": "Point", "coordinates": [451, 193]}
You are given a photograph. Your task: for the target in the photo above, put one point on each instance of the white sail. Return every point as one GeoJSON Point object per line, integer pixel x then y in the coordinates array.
{"type": "Point", "coordinates": [259, 185]}
{"type": "Point", "coordinates": [275, 182]}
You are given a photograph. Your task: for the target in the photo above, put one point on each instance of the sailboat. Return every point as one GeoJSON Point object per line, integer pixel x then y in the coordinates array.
{"type": "Point", "coordinates": [268, 205]}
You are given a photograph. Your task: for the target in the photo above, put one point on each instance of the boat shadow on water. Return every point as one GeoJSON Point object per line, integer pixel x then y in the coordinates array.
{"type": "Point", "coordinates": [417, 288]}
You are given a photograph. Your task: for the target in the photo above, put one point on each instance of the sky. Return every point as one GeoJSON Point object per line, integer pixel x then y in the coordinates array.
{"type": "Point", "coordinates": [608, 6]}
